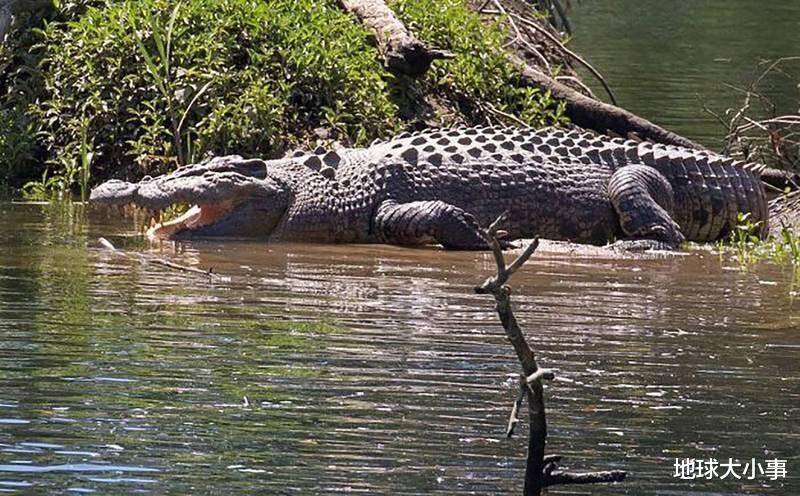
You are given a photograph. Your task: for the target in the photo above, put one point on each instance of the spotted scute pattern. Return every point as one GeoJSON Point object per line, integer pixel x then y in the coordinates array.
{"type": "Point", "coordinates": [442, 185]}
{"type": "Point", "coordinates": [552, 182]}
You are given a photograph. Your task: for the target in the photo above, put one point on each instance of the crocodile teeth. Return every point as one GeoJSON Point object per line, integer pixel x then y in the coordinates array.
{"type": "Point", "coordinates": [195, 217]}
{"type": "Point", "coordinates": [165, 229]}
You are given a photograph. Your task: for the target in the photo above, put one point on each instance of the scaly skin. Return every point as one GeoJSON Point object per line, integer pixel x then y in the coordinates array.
{"type": "Point", "coordinates": [442, 185]}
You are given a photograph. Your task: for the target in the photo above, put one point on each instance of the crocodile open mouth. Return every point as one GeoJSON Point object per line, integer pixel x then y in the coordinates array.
{"type": "Point", "coordinates": [196, 217]}
{"type": "Point", "coordinates": [230, 196]}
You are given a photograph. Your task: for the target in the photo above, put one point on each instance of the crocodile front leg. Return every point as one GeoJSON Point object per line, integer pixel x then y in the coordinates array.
{"type": "Point", "coordinates": [643, 200]}
{"type": "Point", "coordinates": [421, 222]}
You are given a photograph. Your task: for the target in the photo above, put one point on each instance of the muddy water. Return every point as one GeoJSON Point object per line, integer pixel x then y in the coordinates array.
{"type": "Point", "coordinates": [375, 370]}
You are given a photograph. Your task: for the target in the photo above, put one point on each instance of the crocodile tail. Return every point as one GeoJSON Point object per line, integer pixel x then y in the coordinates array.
{"type": "Point", "coordinates": [710, 189]}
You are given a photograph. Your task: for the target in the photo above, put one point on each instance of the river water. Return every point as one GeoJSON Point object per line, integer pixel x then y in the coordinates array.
{"type": "Point", "coordinates": [375, 370]}
{"type": "Point", "coordinates": [666, 60]}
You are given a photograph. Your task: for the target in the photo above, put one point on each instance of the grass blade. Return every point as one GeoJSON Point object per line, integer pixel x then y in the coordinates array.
{"type": "Point", "coordinates": [170, 30]}
{"type": "Point", "coordinates": [191, 104]}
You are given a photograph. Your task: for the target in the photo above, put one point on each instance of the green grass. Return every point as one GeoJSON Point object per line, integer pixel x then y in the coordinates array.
{"type": "Point", "coordinates": [750, 249]}
{"type": "Point", "coordinates": [137, 87]}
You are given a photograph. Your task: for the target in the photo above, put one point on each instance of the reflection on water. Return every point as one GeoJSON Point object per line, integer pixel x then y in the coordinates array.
{"type": "Point", "coordinates": [665, 60]}
{"type": "Point", "coordinates": [374, 370]}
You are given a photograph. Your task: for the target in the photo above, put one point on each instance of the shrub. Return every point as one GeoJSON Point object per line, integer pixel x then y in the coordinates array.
{"type": "Point", "coordinates": [137, 86]}
{"type": "Point", "coordinates": [20, 84]}
{"type": "Point", "coordinates": [159, 79]}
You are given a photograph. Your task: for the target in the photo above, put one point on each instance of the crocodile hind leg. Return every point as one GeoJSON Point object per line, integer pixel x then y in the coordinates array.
{"type": "Point", "coordinates": [421, 222]}
{"type": "Point", "coordinates": [643, 200]}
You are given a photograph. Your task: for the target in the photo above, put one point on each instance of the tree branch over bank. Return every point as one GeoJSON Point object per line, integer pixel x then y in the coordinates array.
{"type": "Point", "coordinates": [406, 54]}
{"type": "Point", "coordinates": [596, 115]}
{"type": "Point", "coordinates": [402, 52]}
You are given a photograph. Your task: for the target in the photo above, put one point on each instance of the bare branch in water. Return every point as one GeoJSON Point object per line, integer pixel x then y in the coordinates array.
{"type": "Point", "coordinates": [146, 258]}
{"type": "Point", "coordinates": [541, 470]}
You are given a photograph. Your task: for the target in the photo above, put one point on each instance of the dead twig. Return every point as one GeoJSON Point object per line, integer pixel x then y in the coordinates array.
{"type": "Point", "coordinates": [513, 118]}
{"type": "Point", "coordinates": [159, 261]}
{"type": "Point", "coordinates": [513, 418]}
{"type": "Point", "coordinates": [560, 45]}
{"type": "Point", "coordinates": [577, 83]}
{"type": "Point", "coordinates": [760, 132]}
{"type": "Point", "coordinates": [541, 471]}
{"type": "Point", "coordinates": [518, 37]}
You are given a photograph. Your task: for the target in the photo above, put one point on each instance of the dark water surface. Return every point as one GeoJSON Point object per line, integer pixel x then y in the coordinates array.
{"type": "Point", "coordinates": [665, 59]}
{"type": "Point", "coordinates": [375, 370]}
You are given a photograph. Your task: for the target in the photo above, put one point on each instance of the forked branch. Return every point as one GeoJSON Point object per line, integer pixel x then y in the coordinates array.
{"type": "Point", "coordinates": [541, 471]}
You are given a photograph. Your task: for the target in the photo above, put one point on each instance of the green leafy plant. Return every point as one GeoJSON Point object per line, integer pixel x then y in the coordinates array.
{"type": "Point", "coordinates": [86, 156]}
{"type": "Point", "coordinates": [42, 188]}
{"type": "Point", "coordinates": [749, 248]}
{"type": "Point", "coordinates": [135, 87]}
{"type": "Point", "coordinates": [158, 66]}
{"type": "Point", "coordinates": [21, 132]}
{"type": "Point", "coordinates": [787, 247]}
{"type": "Point", "coordinates": [745, 241]}
{"type": "Point", "coordinates": [480, 75]}
{"type": "Point", "coordinates": [73, 169]}
{"type": "Point", "coordinates": [166, 82]}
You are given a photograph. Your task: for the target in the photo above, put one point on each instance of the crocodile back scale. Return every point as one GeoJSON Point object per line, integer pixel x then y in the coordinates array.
{"type": "Point", "coordinates": [442, 185]}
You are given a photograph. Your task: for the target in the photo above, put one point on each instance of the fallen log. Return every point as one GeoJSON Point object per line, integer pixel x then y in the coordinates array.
{"type": "Point", "coordinates": [596, 115]}
{"type": "Point", "coordinates": [402, 52]}
{"type": "Point", "coordinates": [406, 54]}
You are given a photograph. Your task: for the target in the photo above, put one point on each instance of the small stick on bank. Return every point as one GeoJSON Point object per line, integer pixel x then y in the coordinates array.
{"type": "Point", "coordinates": [541, 471]}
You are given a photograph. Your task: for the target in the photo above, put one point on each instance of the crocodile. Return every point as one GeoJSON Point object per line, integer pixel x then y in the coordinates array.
{"type": "Point", "coordinates": [443, 185]}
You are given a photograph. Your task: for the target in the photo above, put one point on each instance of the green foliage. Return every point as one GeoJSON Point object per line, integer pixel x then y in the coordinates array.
{"type": "Point", "coordinates": [20, 84]}
{"type": "Point", "coordinates": [745, 241]}
{"type": "Point", "coordinates": [480, 70]}
{"type": "Point", "coordinates": [71, 168]}
{"type": "Point", "coordinates": [165, 82]}
{"type": "Point", "coordinates": [749, 248]}
{"type": "Point", "coordinates": [22, 133]}
{"type": "Point", "coordinates": [137, 87]}
{"type": "Point", "coordinates": [786, 248]}
{"type": "Point", "coordinates": [19, 136]}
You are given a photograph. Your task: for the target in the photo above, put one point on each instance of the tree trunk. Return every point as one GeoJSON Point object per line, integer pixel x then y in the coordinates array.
{"type": "Point", "coordinates": [402, 52]}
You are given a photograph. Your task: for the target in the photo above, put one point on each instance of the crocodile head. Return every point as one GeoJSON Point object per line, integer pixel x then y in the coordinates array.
{"type": "Point", "coordinates": [231, 197]}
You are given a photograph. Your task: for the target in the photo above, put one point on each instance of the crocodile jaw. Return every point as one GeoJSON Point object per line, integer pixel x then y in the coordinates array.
{"type": "Point", "coordinates": [196, 217]}
{"type": "Point", "coordinates": [232, 197]}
